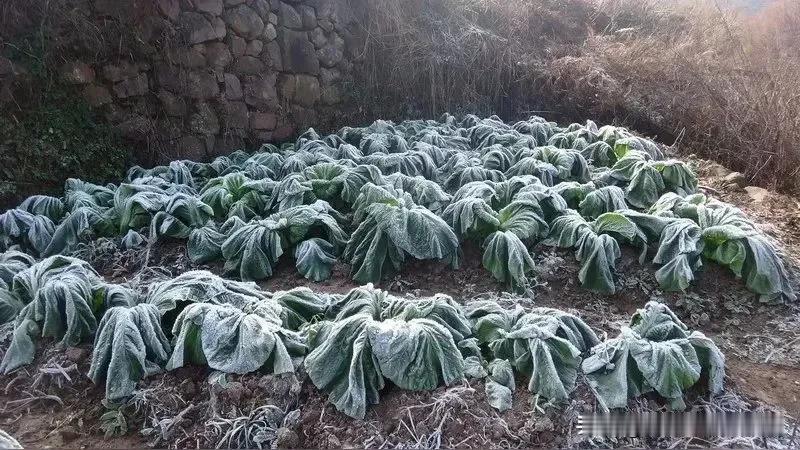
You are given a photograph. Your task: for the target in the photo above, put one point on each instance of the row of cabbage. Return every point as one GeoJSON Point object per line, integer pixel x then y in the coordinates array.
{"type": "Point", "coordinates": [350, 345]}
{"type": "Point", "coordinates": [376, 195]}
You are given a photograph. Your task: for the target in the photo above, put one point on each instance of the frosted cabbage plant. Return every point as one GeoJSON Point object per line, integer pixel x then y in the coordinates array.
{"type": "Point", "coordinates": [655, 353]}
{"type": "Point", "coordinates": [493, 214]}
{"type": "Point", "coordinates": [237, 195]}
{"type": "Point", "coordinates": [688, 230]}
{"type": "Point", "coordinates": [371, 337]}
{"type": "Point", "coordinates": [129, 345]}
{"type": "Point", "coordinates": [647, 179]}
{"type": "Point", "coordinates": [391, 226]}
{"type": "Point", "coordinates": [235, 336]}
{"type": "Point", "coordinates": [252, 249]}
{"type": "Point", "coordinates": [63, 298]}
{"type": "Point", "coordinates": [595, 244]}
{"type": "Point", "coordinates": [30, 232]}
{"type": "Point", "coordinates": [545, 344]}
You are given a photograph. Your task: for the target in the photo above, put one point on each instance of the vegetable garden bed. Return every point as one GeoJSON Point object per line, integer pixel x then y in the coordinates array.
{"type": "Point", "coordinates": [495, 208]}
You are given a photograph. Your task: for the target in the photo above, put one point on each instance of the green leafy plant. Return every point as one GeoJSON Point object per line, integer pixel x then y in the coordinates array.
{"type": "Point", "coordinates": [78, 194]}
{"type": "Point", "coordinates": [679, 250]}
{"type": "Point", "coordinates": [602, 200]}
{"type": "Point", "coordinates": [373, 337]}
{"type": "Point", "coordinates": [573, 192]}
{"type": "Point", "coordinates": [537, 127]}
{"type": "Point", "coordinates": [291, 191]}
{"type": "Point", "coordinates": [315, 258]}
{"type": "Point", "coordinates": [656, 353]}
{"type": "Point", "coordinates": [392, 226]}
{"type": "Point", "coordinates": [410, 163]}
{"type": "Point", "coordinates": [595, 244]}
{"type": "Point", "coordinates": [326, 180]}
{"type": "Point", "coordinates": [301, 305]}
{"type": "Point", "coordinates": [236, 194]}
{"type": "Point", "coordinates": [180, 216]}
{"type": "Point", "coordinates": [177, 172]}
{"type": "Point", "coordinates": [461, 171]}
{"type": "Point", "coordinates": [732, 240]}
{"type": "Point", "coordinates": [224, 164]}
{"type": "Point", "coordinates": [129, 345]}
{"type": "Point", "coordinates": [623, 141]}
{"type": "Point", "coordinates": [673, 205]}
{"type": "Point", "coordinates": [547, 173]}
{"type": "Point", "coordinates": [113, 421]}
{"type": "Point", "coordinates": [426, 193]}
{"type": "Point", "coordinates": [205, 243]}
{"type": "Point", "coordinates": [647, 180]}
{"type": "Point", "coordinates": [76, 225]}
{"type": "Point", "coordinates": [59, 302]}
{"type": "Point", "coordinates": [599, 154]}
{"type": "Point", "coordinates": [263, 165]}
{"type": "Point", "coordinates": [507, 258]}
{"type": "Point", "coordinates": [356, 178]}
{"type": "Point", "coordinates": [545, 344]}
{"type": "Point", "coordinates": [693, 226]}
{"type": "Point", "coordinates": [382, 143]}
{"type": "Point", "coordinates": [27, 282]}
{"type": "Point", "coordinates": [472, 216]}
{"type": "Point", "coordinates": [135, 205]}
{"type": "Point", "coordinates": [13, 262]}
{"type": "Point", "coordinates": [199, 286]}
{"type": "Point", "coordinates": [132, 239]}
{"type": "Point", "coordinates": [43, 205]}
{"type": "Point", "coordinates": [500, 158]}
{"type": "Point", "coordinates": [31, 232]}
{"type": "Point", "coordinates": [570, 164]}
{"type": "Point", "coordinates": [236, 337]}
{"type": "Point", "coordinates": [253, 249]}
{"type": "Point", "coordinates": [10, 304]}
{"type": "Point", "coordinates": [500, 384]}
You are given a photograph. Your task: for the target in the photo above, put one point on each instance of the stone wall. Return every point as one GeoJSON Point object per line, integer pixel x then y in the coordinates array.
{"type": "Point", "coordinates": [198, 78]}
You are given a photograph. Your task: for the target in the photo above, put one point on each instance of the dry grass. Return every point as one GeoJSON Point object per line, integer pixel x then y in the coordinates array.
{"type": "Point", "coordinates": [723, 85]}
{"type": "Point", "coordinates": [431, 56]}
{"type": "Point", "coordinates": [730, 91]}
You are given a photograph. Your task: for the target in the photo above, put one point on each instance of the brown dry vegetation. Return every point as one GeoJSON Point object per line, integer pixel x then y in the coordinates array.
{"type": "Point", "coordinates": [721, 83]}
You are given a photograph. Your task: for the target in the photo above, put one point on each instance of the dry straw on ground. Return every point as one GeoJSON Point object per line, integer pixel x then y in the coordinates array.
{"type": "Point", "coordinates": [720, 82]}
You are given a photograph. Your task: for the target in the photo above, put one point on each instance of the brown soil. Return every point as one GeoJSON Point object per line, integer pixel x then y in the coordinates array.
{"type": "Point", "coordinates": [452, 417]}
{"type": "Point", "coordinates": [771, 383]}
